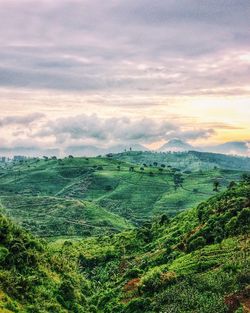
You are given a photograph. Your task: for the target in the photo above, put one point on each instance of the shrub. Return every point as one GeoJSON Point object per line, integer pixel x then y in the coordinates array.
{"type": "Point", "coordinates": [196, 243]}
{"type": "Point", "coordinates": [3, 253]}
{"type": "Point", "coordinates": [133, 273]}
{"type": "Point", "coordinates": [138, 305]}
{"type": "Point", "coordinates": [156, 279]}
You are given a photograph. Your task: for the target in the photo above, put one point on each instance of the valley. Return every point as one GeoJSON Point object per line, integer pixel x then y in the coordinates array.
{"type": "Point", "coordinates": [126, 235]}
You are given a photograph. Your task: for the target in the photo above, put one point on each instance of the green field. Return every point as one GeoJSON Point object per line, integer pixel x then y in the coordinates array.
{"type": "Point", "coordinates": [84, 196]}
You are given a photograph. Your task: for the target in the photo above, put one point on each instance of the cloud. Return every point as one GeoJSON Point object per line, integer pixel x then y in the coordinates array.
{"type": "Point", "coordinates": [116, 130]}
{"type": "Point", "coordinates": [184, 47]}
{"type": "Point", "coordinates": [193, 134]}
{"type": "Point", "coordinates": [143, 59]}
{"type": "Point", "coordinates": [93, 134]}
{"type": "Point", "coordinates": [25, 120]}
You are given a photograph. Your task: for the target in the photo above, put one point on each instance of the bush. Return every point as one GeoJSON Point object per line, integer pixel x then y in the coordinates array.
{"type": "Point", "coordinates": [3, 253]}
{"type": "Point", "coordinates": [196, 243]}
{"type": "Point", "coordinates": [156, 279]}
{"type": "Point", "coordinates": [138, 305]}
{"type": "Point", "coordinates": [133, 273]}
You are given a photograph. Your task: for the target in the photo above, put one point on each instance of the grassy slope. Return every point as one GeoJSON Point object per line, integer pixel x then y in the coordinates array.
{"type": "Point", "coordinates": [54, 216]}
{"type": "Point", "coordinates": [197, 262]}
{"type": "Point", "coordinates": [50, 196]}
{"type": "Point", "coordinates": [191, 160]}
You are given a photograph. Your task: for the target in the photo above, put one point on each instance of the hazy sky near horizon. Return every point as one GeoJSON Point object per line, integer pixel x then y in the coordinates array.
{"type": "Point", "coordinates": [107, 72]}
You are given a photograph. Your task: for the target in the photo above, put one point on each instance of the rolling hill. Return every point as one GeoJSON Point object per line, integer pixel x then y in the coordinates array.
{"type": "Point", "coordinates": [84, 196]}
{"type": "Point", "coordinates": [189, 160]}
{"type": "Point", "coordinates": [197, 262]}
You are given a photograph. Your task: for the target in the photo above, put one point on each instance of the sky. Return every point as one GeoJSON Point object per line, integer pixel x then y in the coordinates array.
{"type": "Point", "coordinates": [105, 73]}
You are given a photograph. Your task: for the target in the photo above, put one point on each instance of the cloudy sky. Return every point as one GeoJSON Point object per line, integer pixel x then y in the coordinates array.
{"type": "Point", "coordinates": [94, 72]}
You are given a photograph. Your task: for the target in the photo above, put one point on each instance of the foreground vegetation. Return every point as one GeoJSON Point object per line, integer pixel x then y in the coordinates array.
{"type": "Point", "coordinates": [197, 262]}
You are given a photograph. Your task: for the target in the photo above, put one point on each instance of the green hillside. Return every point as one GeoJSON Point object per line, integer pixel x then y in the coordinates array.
{"type": "Point", "coordinates": [83, 196]}
{"type": "Point", "coordinates": [198, 261]}
{"type": "Point", "coordinates": [54, 216]}
{"type": "Point", "coordinates": [34, 280]}
{"type": "Point", "coordinates": [191, 160]}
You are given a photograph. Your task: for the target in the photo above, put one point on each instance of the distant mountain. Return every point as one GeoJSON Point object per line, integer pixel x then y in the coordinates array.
{"type": "Point", "coordinates": [231, 147]}
{"type": "Point", "coordinates": [32, 151]}
{"type": "Point", "coordinates": [176, 145]}
{"type": "Point", "coordinates": [121, 148]}
{"type": "Point", "coordinates": [88, 150]}
{"type": "Point", "coordinates": [84, 150]}
{"type": "Point", "coordinates": [241, 148]}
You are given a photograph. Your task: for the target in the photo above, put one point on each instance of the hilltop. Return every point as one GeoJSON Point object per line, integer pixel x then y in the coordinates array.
{"type": "Point", "coordinates": [187, 160]}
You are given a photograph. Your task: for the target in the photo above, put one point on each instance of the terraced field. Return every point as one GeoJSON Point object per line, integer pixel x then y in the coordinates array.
{"type": "Point", "coordinates": [78, 196]}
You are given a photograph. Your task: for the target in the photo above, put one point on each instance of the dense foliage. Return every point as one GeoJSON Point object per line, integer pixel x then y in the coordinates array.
{"type": "Point", "coordinates": [34, 280]}
{"type": "Point", "coordinates": [197, 262]}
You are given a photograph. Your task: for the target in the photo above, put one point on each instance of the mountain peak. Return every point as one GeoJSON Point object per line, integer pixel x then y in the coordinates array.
{"type": "Point", "coordinates": [176, 145]}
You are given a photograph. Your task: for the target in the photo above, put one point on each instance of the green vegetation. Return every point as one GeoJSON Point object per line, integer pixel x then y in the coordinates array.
{"type": "Point", "coordinates": [87, 196]}
{"type": "Point", "coordinates": [34, 280]}
{"type": "Point", "coordinates": [111, 241]}
{"type": "Point", "coordinates": [198, 261]}
{"type": "Point", "coordinates": [191, 161]}
{"type": "Point", "coordinates": [55, 216]}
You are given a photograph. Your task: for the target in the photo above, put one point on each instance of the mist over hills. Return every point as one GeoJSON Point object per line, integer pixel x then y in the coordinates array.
{"type": "Point", "coordinates": [232, 147]}
{"type": "Point", "coordinates": [176, 145]}
{"type": "Point", "coordinates": [94, 150]}
{"type": "Point", "coordinates": [241, 148]}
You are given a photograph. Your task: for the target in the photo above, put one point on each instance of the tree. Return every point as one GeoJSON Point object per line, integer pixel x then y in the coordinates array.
{"type": "Point", "coordinates": [164, 219]}
{"type": "Point", "coordinates": [178, 180]}
{"type": "Point", "coordinates": [231, 185]}
{"type": "Point", "coordinates": [196, 243]}
{"type": "Point", "coordinates": [216, 185]}
{"type": "Point", "coordinates": [246, 178]}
